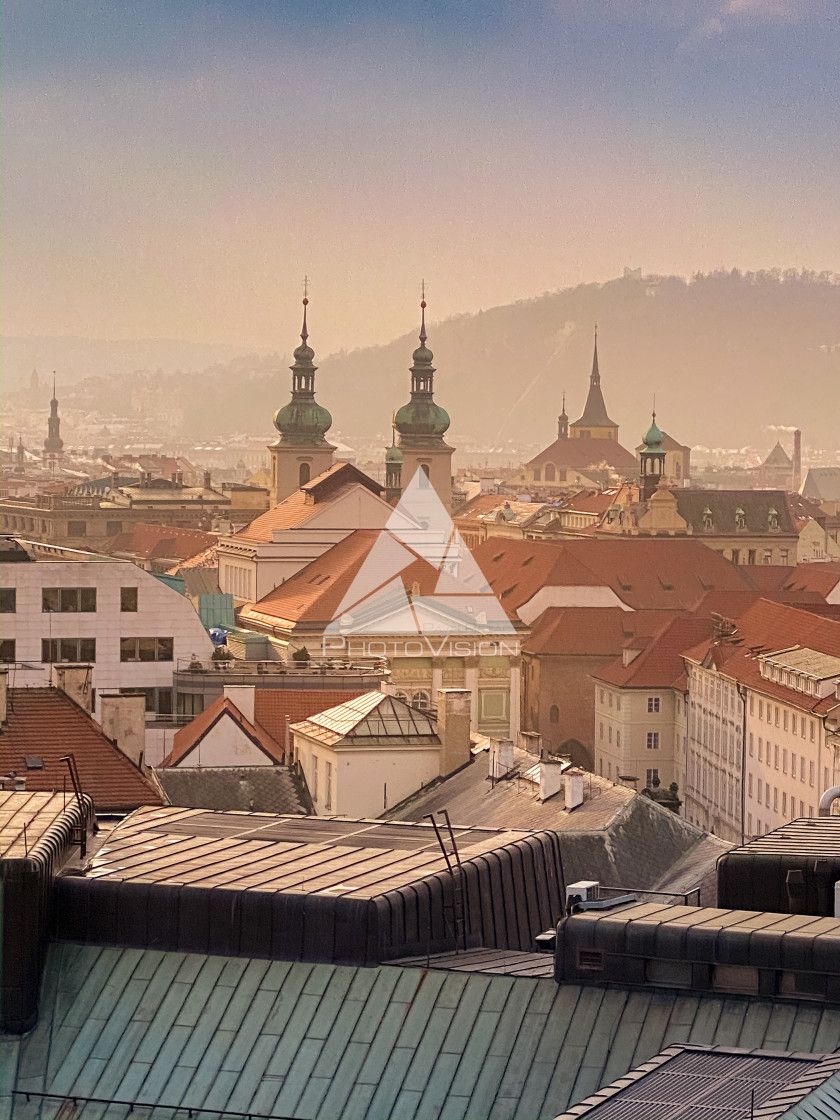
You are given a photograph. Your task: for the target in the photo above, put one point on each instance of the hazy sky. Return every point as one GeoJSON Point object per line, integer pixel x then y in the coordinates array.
{"type": "Point", "coordinates": [172, 168]}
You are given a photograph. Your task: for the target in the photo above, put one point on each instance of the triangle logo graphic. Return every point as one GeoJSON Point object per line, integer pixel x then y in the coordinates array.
{"type": "Point", "coordinates": [420, 578]}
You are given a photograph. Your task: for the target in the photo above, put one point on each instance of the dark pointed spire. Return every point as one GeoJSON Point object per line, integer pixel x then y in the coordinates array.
{"type": "Point", "coordinates": [595, 376]}
{"type": "Point", "coordinates": [304, 333]}
{"type": "Point", "coordinates": [423, 335]}
{"type": "Point", "coordinates": [54, 397]}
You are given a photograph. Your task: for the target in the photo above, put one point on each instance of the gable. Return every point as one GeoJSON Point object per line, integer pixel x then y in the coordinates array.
{"type": "Point", "coordinates": [225, 743]}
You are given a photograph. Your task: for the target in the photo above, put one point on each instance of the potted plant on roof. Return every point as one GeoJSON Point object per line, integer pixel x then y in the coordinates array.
{"type": "Point", "coordinates": [221, 656]}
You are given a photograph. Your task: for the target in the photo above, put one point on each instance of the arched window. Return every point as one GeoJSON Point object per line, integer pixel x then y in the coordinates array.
{"type": "Point", "coordinates": [304, 474]}
{"type": "Point", "coordinates": [549, 472]}
{"type": "Point", "coordinates": [554, 713]}
{"type": "Point", "coordinates": [420, 700]}
{"type": "Point", "coordinates": [401, 696]}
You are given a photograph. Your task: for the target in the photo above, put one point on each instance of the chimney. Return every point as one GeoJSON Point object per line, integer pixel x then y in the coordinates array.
{"type": "Point", "coordinates": [123, 719]}
{"type": "Point", "coordinates": [242, 697]}
{"type": "Point", "coordinates": [4, 693]}
{"type": "Point", "coordinates": [574, 788]}
{"type": "Point", "coordinates": [531, 741]}
{"type": "Point", "coordinates": [76, 682]}
{"type": "Point", "coordinates": [173, 478]}
{"type": "Point", "coordinates": [207, 481]}
{"type": "Point", "coordinates": [551, 776]}
{"type": "Point", "coordinates": [453, 728]}
{"type": "Point", "coordinates": [796, 470]}
{"type": "Point", "coordinates": [179, 477]}
{"type": "Point", "coordinates": [501, 757]}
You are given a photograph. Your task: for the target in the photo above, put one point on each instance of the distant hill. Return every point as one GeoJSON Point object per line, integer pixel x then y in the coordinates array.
{"type": "Point", "coordinates": [728, 355]}
{"type": "Point", "coordinates": [78, 358]}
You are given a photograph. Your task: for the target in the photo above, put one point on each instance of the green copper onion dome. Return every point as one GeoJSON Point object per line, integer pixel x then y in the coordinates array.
{"type": "Point", "coordinates": [303, 422]}
{"type": "Point", "coordinates": [422, 418]}
{"type": "Point", "coordinates": [653, 438]}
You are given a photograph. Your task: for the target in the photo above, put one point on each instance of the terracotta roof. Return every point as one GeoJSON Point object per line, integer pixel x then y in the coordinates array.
{"type": "Point", "coordinates": [209, 558]}
{"type": "Point", "coordinates": [188, 738]}
{"type": "Point", "coordinates": [272, 705]}
{"type": "Point", "coordinates": [822, 577]}
{"type": "Point", "coordinates": [148, 540]}
{"type": "Point", "coordinates": [45, 723]}
{"type": "Point", "coordinates": [304, 503]}
{"type": "Point", "coordinates": [593, 501]}
{"type": "Point", "coordinates": [474, 510]}
{"type": "Point", "coordinates": [661, 665]}
{"type": "Point", "coordinates": [315, 594]}
{"type": "Point", "coordinates": [646, 574]}
{"type": "Point", "coordinates": [591, 631]}
{"type": "Point", "coordinates": [766, 628]}
{"type": "Point", "coordinates": [582, 453]}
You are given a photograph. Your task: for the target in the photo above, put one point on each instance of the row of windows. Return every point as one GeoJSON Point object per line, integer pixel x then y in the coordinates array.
{"type": "Point", "coordinates": [764, 755]}
{"type": "Point", "coordinates": [84, 649]}
{"type": "Point", "coordinates": [67, 600]}
{"type": "Point", "coordinates": [784, 718]}
{"type": "Point", "coordinates": [74, 528]}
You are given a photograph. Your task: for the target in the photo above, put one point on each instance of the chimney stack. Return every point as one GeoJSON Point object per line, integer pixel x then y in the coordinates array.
{"type": "Point", "coordinates": [75, 681]}
{"type": "Point", "coordinates": [453, 729]}
{"type": "Point", "coordinates": [501, 757]}
{"type": "Point", "coordinates": [123, 719]}
{"type": "Point", "coordinates": [4, 693]}
{"type": "Point", "coordinates": [242, 697]}
{"type": "Point", "coordinates": [207, 485]}
{"type": "Point", "coordinates": [796, 479]}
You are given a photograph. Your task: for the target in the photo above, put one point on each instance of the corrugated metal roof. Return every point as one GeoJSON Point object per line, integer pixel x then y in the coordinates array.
{"type": "Point", "coordinates": [822, 1103]}
{"type": "Point", "coordinates": [37, 811]}
{"type": "Point", "coordinates": [332, 1041]}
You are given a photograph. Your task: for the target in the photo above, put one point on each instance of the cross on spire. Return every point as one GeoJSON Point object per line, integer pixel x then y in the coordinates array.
{"type": "Point", "coordinates": [304, 334]}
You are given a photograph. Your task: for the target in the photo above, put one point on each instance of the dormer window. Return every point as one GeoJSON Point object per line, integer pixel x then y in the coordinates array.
{"type": "Point", "coordinates": [708, 520]}
{"type": "Point", "coordinates": [740, 519]}
{"type": "Point", "coordinates": [773, 519]}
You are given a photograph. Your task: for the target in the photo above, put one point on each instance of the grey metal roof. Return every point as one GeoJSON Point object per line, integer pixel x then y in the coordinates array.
{"type": "Point", "coordinates": [260, 789]}
{"type": "Point", "coordinates": [822, 1103]}
{"type": "Point", "coordinates": [294, 853]}
{"type": "Point", "coordinates": [710, 1083]}
{"type": "Point", "coordinates": [615, 836]}
{"type": "Point", "coordinates": [331, 1041]}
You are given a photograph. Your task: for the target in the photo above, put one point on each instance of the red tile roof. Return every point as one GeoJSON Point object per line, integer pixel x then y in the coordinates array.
{"type": "Point", "coordinates": [46, 723]}
{"type": "Point", "coordinates": [767, 628]}
{"type": "Point", "coordinates": [209, 558]}
{"type": "Point", "coordinates": [271, 706]}
{"type": "Point", "coordinates": [147, 540]}
{"type": "Point", "coordinates": [661, 665]}
{"type": "Point", "coordinates": [222, 708]}
{"type": "Point", "coordinates": [591, 631]}
{"type": "Point", "coordinates": [646, 574]}
{"type": "Point", "coordinates": [315, 594]}
{"type": "Point", "coordinates": [304, 503]}
{"type": "Point", "coordinates": [582, 453]}
{"type": "Point", "coordinates": [822, 577]}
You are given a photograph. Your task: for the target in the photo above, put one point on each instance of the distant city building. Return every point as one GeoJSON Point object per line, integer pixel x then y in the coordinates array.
{"type": "Point", "coordinates": [586, 452]}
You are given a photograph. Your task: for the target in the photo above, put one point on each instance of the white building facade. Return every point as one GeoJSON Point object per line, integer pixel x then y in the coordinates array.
{"type": "Point", "coordinates": [127, 625]}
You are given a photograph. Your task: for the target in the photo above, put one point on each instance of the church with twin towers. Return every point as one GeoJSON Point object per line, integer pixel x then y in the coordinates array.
{"type": "Point", "coordinates": [302, 450]}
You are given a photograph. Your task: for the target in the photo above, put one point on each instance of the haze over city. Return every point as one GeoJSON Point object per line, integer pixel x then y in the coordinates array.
{"type": "Point", "coordinates": [172, 170]}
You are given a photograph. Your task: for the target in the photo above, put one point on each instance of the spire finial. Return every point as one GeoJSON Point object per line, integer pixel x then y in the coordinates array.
{"type": "Point", "coordinates": [394, 428]}
{"type": "Point", "coordinates": [54, 396]}
{"type": "Point", "coordinates": [304, 334]}
{"type": "Point", "coordinates": [654, 407]}
{"type": "Point", "coordinates": [564, 400]}
{"type": "Point", "coordinates": [595, 376]}
{"type": "Point", "coordinates": [423, 335]}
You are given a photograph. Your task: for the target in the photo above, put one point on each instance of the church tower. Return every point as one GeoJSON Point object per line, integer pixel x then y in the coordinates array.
{"type": "Point", "coordinates": [595, 423]}
{"type": "Point", "coordinates": [653, 460]}
{"type": "Point", "coordinates": [563, 422]}
{"type": "Point", "coordinates": [421, 425]}
{"type": "Point", "coordinates": [53, 444]}
{"type": "Point", "coordinates": [302, 451]}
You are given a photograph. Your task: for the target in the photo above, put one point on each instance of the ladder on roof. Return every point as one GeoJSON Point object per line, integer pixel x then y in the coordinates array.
{"type": "Point", "coordinates": [454, 908]}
